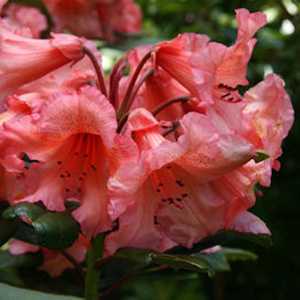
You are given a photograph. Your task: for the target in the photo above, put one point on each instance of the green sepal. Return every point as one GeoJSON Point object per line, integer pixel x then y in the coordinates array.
{"type": "Point", "coordinates": [261, 156]}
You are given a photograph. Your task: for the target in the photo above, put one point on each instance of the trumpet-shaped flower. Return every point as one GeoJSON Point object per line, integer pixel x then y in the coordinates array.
{"type": "Point", "coordinates": [23, 60]}
{"type": "Point", "coordinates": [181, 191]}
{"type": "Point", "coordinates": [24, 20]}
{"type": "Point", "coordinates": [97, 18]}
{"type": "Point", "coordinates": [211, 71]}
{"type": "Point", "coordinates": [69, 137]}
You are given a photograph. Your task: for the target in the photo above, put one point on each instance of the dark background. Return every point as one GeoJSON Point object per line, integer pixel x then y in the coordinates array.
{"type": "Point", "coordinates": [276, 274]}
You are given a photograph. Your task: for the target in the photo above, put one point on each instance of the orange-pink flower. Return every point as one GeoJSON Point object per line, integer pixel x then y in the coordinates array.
{"type": "Point", "coordinates": [181, 191]}
{"type": "Point", "coordinates": [70, 134]}
{"type": "Point", "coordinates": [97, 18]}
{"type": "Point", "coordinates": [210, 70]}
{"type": "Point", "coordinates": [24, 20]}
{"type": "Point", "coordinates": [23, 60]}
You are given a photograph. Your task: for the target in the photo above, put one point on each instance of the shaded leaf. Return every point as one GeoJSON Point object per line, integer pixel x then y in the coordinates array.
{"type": "Point", "coordinates": [7, 230]}
{"type": "Point", "coordinates": [27, 211]}
{"type": "Point", "coordinates": [56, 230]}
{"type": "Point", "coordinates": [27, 260]}
{"type": "Point", "coordinates": [139, 256]}
{"type": "Point", "coordinates": [12, 293]}
{"type": "Point", "coordinates": [233, 254]}
{"type": "Point", "coordinates": [10, 276]}
{"type": "Point", "coordinates": [53, 230]}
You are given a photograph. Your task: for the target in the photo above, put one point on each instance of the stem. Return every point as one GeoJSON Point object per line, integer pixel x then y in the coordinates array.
{"type": "Point", "coordinates": [124, 117]}
{"type": "Point", "coordinates": [124, 106]}
{"type": "Point", "coordinates": [161, 107]}
{"type": "Point", "coordinates": [93, 275]}
{"type": "Point", "coordinates": [101, 82]}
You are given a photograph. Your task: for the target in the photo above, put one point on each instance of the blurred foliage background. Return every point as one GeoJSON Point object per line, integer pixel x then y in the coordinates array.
{"type": "Point", "coordinates": [276, 275]}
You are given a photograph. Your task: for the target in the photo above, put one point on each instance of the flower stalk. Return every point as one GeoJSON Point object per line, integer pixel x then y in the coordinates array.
{"type": "Point", "coordinates": [93, 274]}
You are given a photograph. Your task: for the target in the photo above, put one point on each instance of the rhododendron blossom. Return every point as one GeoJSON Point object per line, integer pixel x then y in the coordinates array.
{"type": "Point", "coordinates": [211, 70]}
{"type": "Point", "coordinates": [96, 18]}
{"type": "Point", "coordinates": [24, 20]}
{"type": "Point", "coordinates": [23, 59]}
{"type": "Point", "coordinates": [70, 136]}
{"type": "Point", "coordinates": [165, 155]}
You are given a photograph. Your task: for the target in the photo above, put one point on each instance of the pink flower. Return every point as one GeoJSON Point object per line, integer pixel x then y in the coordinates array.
{"type": "Point", "coordinates": [97, 18]}
{"type": "Point", "coordinates": [270, 116]}
{"type": "Point", "coordinates": [247, 222]}
{"type": "Point", "coordinates": [23, 60]}
{"type": "Point", "coordinates": [211, 70]}
{"type": "Point", "coordinates": [24, 20]}
{"type": "Point", "coordinates": [2, 3]}
{"type": "Point", "coordinates": [181, 191]}
{"type": "Point", "coordinates": [70, 134]}
{"type": "Point", "coordinates": [119, 16]}
{"type": "Point", "coordinates": [157, 89]}
{"type": "Point", "coordinates": [54, 262]}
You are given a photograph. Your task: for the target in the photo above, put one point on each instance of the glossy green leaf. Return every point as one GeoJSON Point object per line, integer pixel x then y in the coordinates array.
{"type": "Point", "coordinates": [7, 230]}
{"type": "Point", "coordinates": [24, 210]}
{"type": "Point", "coordinates": [56, 230]}
{"type": "Point", "coordinates": [227, 238]}
{"type": "Point", "coordinates": [12, 293]}
{"type": "Point", "coordinates": [186, 262]}
{"type": "Point", "coordinates": [10, 276]}
{"type": "Point", "coordinates": [27, 260]}
{"type": "Point", "coordinates": [53, 230]}
{"type": "Point", "coordinates": [138, 256]}
{"type": "Point", "coordinates": [233, 254]}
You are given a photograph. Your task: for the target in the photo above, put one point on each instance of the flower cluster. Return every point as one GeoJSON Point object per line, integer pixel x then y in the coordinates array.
{"type": "Point", "coordinates": [166, 155]}
{"type": "Point", "coordinates": [105, 19]}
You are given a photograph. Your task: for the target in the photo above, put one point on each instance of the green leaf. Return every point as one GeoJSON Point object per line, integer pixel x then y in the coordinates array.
{"type": "Point", "coordinates": [7, 230]}
{"type": "Point", "coordinates": [186, 262]}
{"type": "Point", "coordinates": [56, 230]}
{"type": "Point", "coordinates": [24, 210]}
{"type": "Point", "coordinates": [138, 256]}
{"type": "Point", "coordinates": [12, 293]}
{"type": "Point", "coordinates": [200, 262]}
{"type": "Point", "coordinates": [53, 230]}
{"type": "Point", "coordinates": [27, 260]}
{"type": "Point", "coordinates": [227, 238]}
{"type": "Point", "coordinates": [233, 254]}
{"type": "Point", "coordinates": [10, 276]}
{"type": "Point", "coordinates": [216, 262]}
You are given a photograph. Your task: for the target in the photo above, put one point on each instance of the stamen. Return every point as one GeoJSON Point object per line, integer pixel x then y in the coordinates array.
{"type": "Point", "coordinates": [101, 82]}
{"type": "Point", "coordinates": [125, 103]}
{"type": "Point", "coordinates": [161, 107]}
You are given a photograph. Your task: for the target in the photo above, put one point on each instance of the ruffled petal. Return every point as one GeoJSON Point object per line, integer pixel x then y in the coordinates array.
{"type": "Point", "coordinates": [137, 227]}
{"type": "Point", "coordinates": [23, 60]}
{"type": "Point", "coordinates": [247, 222]}
{"type": "Point", "coordinates": [211, 151]}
